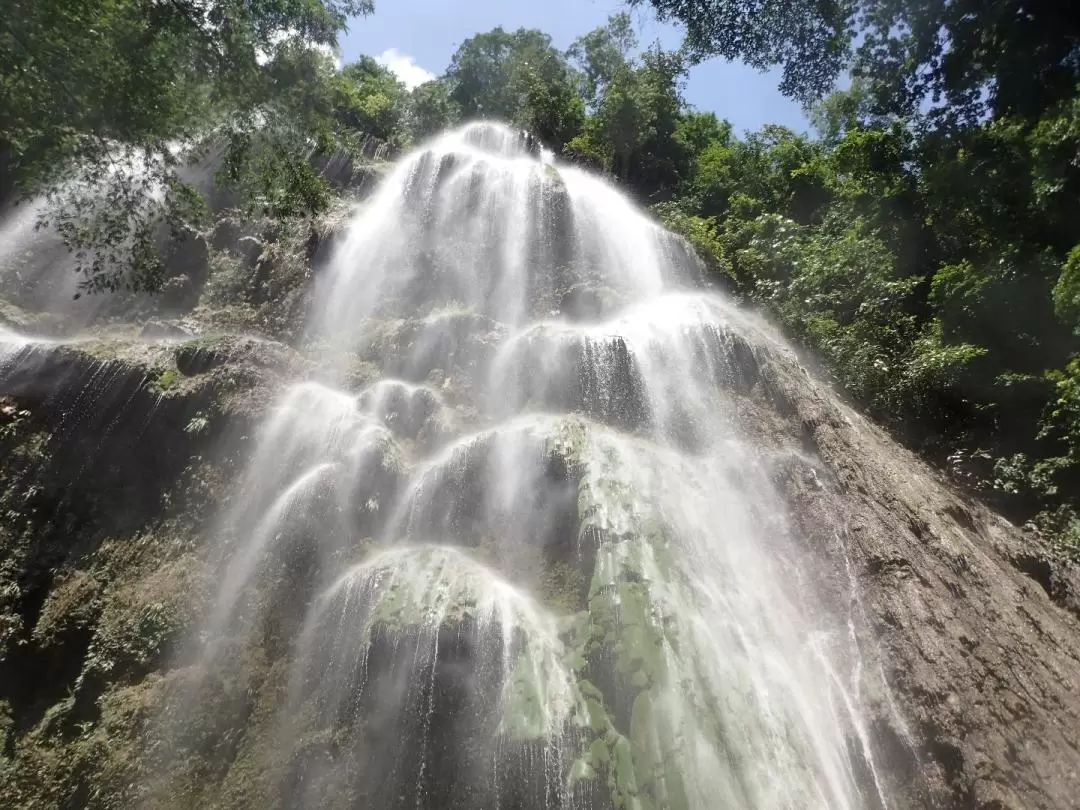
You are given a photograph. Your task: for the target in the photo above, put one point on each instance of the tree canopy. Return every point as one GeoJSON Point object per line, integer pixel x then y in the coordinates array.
{"type": "Point", "coordinates": [518, 77]}
{"type": "Point", "coordinates": [807, 39]}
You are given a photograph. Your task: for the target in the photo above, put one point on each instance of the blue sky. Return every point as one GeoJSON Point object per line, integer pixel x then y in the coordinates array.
{"type": "Point", "coordinates": [417, 37]}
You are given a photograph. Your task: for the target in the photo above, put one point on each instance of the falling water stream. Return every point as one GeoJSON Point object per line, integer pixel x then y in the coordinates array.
{"type": "Point", "coordinates": [548, 414]}
{"type": "Point", "coordinates": [520, 551]}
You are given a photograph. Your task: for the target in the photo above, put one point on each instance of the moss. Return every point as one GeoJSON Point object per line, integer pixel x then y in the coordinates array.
{"type": "Point", "coordinates": [569, 443]}
{"type": "Point", "coordinates": [524, 707]}
{"type": "Point", "coordinates": [360, 373]}
{"type": "Point", "coordinates": [658, 756]}
{"type": "Point", "coordinates": [562, 588]}
{"type": "Point", "coordinates": [598, 718]}
{"type": "Point", "coordinates": [166, 380]}
{"type": "Point", "coordinates": [206, 342]}
{"type": "Point", "coordinates": [640, 645]}
{"type": "Point", "coordinates": [143, 618]}
{"type": "Point", "coordinates": [72, 603]}
{"type": "Point", "coordinates": [589, 690]}
{"type": "Point", "coordinates": [599, 752]}
{"type": "Point", "coordinates": [624, 776]}
{"type": "Point", "coordinates": [581, 771]}
{"type": "Point", "coordinates": [261, 761]}
{"type": "Point", "coordinates": [624, 622]}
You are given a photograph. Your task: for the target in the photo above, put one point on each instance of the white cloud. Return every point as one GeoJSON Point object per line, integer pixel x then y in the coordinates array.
{"type": "Point", "coordinates": [404, 67]}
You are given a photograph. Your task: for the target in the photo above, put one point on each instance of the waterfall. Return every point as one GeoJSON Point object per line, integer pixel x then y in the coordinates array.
{"type": "Point", "coordinates": [512, 546]}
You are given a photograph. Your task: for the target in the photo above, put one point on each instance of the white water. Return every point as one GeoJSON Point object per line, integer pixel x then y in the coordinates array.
{"type": "Point", "coordinates": [535, 564]}
{"type": "Point", "coordinates": [37, 269]}
{"type": "Point", "coordinates": [34, 263]}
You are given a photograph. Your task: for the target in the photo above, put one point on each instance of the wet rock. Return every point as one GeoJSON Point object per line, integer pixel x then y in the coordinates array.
{"type": "Point", "coordinates": [59, 373]}
{"type": "Point", "coordinates": [188, 255]}
{"type": "Point", "coordinates": [409, 411]}
{"type": "Point", "coordinates": [167, 330]}
{"type": "Point", "coordinates": [206, 353]}
{"type": "Point", "coordinates": [324, 236]}
{"type": "Point", "coordinates": [226, 233]}
{"type": "Point", "coordinates": [971, 622]}
{"type": "Point", "coordinates": [413, 348]}
{"type": "Point", "coordinates": [98, 438]}
{"type": "Point", "coordinates": [250, 249]}
{"type": "Point", "coordinates": [594, 376]}
{"type": "Point", "coordinates": [585, 302]}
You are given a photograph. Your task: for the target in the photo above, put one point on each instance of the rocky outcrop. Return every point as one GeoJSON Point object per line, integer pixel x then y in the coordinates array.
{"type": "Point", "coordinates": [971, 624]}
{"type": "Point", "coordinates": [117, 455]}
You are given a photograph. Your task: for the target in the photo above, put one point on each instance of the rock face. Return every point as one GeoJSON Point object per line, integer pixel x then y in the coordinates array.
{"type": "Point", "coordinates": [531, 528]}
{"type": "Point", "coordinates": [972, 624]}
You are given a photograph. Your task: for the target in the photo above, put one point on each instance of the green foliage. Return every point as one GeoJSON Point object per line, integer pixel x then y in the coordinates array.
{"type": "Point", "coordinates": [602, 54]}
{"type": "Point", "coordinates": [808, 39]}
{"type": "Point", "coordinates": [104, 100]}
{"type": "Point", "coordinates": [372, 100]}
{"type": "Point", "coordinates": [431, 109]}
{"type": "Point", "coordinates": [167, 379]}
{"type": "Point", "coordinates": [1067, 290]}
{"type": "Point", "coordinates": [958, 61]}
{"type": "Point", "coordinates": [948, 62]}
{"type": "Point", "coordinates": [700, 232]}
{"type": "Point", "coordinates": [636, 115]}
{"type": "Point", "coordinates": [1062, 526]}
{"type": "Point", "coordinates": [552, 111]}
{"type": "Point", "coordinates": [517, 77]}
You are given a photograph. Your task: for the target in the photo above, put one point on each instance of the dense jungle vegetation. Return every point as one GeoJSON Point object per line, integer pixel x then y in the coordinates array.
{"type": "Point", "coordinates": [923, 243]}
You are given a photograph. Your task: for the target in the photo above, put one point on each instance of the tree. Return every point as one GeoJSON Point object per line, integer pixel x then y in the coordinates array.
{"type": "Point", "coordinates": [808, 39]}
{"type": "Point", "coordinates": [950, 61]}
{"type": "Point", "coordinates": [637, 108]}
{"type": "Point", "coordinates": [602, 54]}
{"type": "Point", "coordinates": [372, 100]}
{"type": "Point", "coordinates": [518, 77]}
{"type": "Point", "coordinates": [104, 99]}
{"type": "Point", "coordinates": [697, 131]}
{"type": "Point", "coordinates": [957, 61]}
{"type": "Point", "coordinates": [552, 110]}
{"type": "Point", "coordinates": [431, 109]}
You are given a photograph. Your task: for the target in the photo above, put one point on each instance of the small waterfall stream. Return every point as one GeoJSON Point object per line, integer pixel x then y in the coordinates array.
{"type": "Point", "coordinates": [523, 555]}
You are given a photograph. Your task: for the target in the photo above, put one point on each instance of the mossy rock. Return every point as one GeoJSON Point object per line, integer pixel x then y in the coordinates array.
{"type": "Point", "coordinates": [586, 301]}
{"type": "Point", "coordinates": [212, 351]}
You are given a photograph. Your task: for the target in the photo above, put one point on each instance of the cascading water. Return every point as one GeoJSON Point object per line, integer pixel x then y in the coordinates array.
{"type": "Point", "coordinates": [513, 545]}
